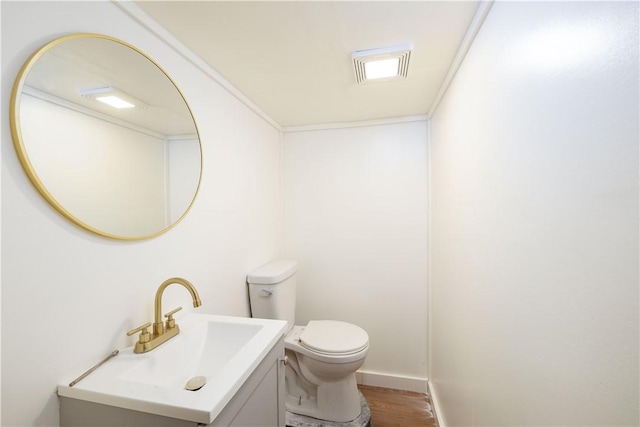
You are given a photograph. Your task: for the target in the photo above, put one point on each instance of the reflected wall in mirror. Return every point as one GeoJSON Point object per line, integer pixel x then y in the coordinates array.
{"type": "Point", "coordinates": [106, 136]}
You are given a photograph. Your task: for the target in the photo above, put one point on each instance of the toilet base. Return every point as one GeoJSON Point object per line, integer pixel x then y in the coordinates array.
{"type": "Point", "coordinates": [364, 420]}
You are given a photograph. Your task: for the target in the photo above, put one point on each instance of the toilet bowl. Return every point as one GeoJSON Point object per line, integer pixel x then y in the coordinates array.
{"type": "Point", "coordinates": [320, 373]}
{"type": "Point", "coordinates": [322, 356]}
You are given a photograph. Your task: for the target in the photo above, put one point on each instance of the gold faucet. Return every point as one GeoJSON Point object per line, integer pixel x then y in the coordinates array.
{"type": "Point", "coordinates": [162, 332]}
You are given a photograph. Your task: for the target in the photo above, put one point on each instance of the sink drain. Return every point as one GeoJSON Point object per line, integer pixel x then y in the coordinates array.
{"type": "Point", "coordinates": [196, 383]}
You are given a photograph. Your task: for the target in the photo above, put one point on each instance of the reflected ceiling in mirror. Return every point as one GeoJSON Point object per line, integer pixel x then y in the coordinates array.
{"type": "Point", "coordinates": [129, 170]}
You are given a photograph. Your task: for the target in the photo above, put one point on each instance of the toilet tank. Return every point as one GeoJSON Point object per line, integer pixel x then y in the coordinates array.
{"type": "Point", "coordinates": [272, 291]}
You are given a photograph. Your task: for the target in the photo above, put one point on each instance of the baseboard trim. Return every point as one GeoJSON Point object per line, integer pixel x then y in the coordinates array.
{"type": "Point", "coordinates": [398, 382]}
{"type": "Point", "coordinates": [436, 405]}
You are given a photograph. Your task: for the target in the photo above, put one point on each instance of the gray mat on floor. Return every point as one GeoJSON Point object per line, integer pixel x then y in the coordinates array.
{"type": "Point", "coordinates": [364, 420]}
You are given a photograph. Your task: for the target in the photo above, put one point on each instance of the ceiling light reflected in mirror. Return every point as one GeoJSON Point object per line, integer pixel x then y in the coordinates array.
{"type": "Point", "coordinates": [113, 97]}
{"type": "Point", "coordinates": [115, 102]}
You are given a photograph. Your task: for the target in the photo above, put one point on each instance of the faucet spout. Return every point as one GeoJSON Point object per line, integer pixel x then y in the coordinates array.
{"type": "Point", "coordinates": [158, 326]}
{"type": "Point", "coordinates": [148, 341]}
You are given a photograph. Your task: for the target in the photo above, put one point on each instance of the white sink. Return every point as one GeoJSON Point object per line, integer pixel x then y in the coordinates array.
{"type": "Point", "coordinates": [223, 349]}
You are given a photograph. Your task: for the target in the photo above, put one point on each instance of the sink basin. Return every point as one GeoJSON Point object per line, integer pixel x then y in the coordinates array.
{"type": "Point", "coordinates": [223, 349]}
{"type": "Point", "coordinates": [203, 349]}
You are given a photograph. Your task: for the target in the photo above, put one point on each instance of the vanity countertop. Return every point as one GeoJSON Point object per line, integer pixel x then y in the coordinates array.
{"type": "Point", "coordinates": [223, 349]}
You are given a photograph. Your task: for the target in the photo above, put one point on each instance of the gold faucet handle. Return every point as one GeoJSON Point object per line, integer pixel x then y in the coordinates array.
{"type": "Point", "coordinates": [144, 334]}
{"type": "Point", "coordinates": [171, 322]}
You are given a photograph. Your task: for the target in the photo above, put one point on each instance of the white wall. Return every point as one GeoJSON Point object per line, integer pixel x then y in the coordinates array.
{"type": "Point", "coordinates": [355, 218]}
{"type": "Point", "coordinates": [534, 221]}
{"type": "Point", "coordinates": [68, 297]}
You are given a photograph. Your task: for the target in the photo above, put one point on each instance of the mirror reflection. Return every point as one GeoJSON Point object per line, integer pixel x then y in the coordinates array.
{"type": "Point", "coordinates": [106, 136]}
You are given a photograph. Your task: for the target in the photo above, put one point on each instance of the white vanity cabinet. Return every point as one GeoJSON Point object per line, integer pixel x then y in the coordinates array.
{"type": "Point", "coordinates": [258, 402]}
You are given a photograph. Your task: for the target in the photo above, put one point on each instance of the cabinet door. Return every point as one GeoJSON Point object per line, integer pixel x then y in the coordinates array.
{"type": "Point", "coordinates": [260, 400]}
{"type": "Point", "coordinates": [261, 410]}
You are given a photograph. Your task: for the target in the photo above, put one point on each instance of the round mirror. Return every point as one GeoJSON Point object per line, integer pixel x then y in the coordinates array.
{"type": "Point", "coordinates": [106, 136]}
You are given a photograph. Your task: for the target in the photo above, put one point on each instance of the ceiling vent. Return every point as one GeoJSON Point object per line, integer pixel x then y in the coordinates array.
{"type": "Point", "coordinates": [383, 64]}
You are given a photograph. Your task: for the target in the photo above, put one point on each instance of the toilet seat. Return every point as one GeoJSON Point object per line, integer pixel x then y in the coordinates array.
{"type": "Point", "coordinates": [334, 338]}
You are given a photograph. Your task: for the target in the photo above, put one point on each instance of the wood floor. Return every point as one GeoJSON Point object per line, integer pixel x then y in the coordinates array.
{"type": "Point", "coordinates": [398, 408]}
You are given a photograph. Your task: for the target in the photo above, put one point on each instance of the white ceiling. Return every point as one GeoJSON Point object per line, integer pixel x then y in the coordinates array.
{"type": "Point", "coordinates": [293, 58]}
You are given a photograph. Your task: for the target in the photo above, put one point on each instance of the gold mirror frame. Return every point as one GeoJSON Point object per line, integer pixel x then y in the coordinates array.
{"type": "Point", "coordinates": [27, 165]}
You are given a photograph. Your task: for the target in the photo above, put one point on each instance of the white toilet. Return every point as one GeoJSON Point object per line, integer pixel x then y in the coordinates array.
{"type": "Point", "coordinates": [322, 357]}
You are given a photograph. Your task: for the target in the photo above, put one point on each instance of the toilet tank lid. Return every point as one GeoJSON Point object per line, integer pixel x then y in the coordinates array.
{"type": "Point", "coordinates": [273, 272]}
